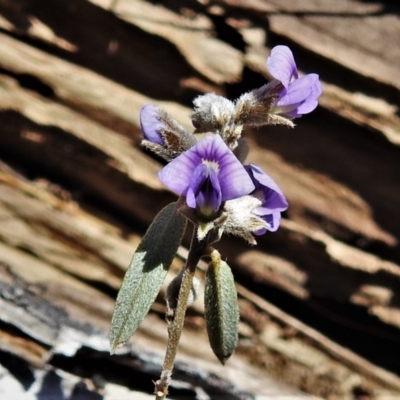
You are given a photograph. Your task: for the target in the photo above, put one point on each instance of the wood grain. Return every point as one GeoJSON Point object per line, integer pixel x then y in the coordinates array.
{"type": "Point", "coordinates": [319, 299]}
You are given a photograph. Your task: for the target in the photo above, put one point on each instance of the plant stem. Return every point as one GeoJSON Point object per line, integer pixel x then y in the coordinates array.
{"type": "Point", "coordinates": [196, 251]}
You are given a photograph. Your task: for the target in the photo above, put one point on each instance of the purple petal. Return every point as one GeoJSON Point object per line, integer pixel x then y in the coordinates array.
{"type": "Point", "coordinates": [204, 190]}
{"type": "Point", "coordinates": [273, 220]}
{"type": "Point", "coordinates": [273, 198]}
{"type": "Point", "coordinates": [301, 97]}
{"type": "Point", "coordinates": [213, 191]}
{"type": "Point", "coordinates": [150, 124]}
{"type": "Point", "coordinates": [207, 193]}
{"type": "Point", "coordinates": [312, 100]}
{"type": "Point", "coordinates": [260, 232]}
{"type": "Point", "coordinates": [281, 65]}
{"type": "Point", "coordinates": [233, 180]}
{"type": "Point", "coordinates": [197, 180]}
{"type": "Point", "coordinates": [176, 175]}
{"type": "Point", "coordinates": [297, 92]}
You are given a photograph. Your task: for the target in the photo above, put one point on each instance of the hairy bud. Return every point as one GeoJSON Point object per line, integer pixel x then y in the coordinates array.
{"type": "Point", "coordinates": [255, 108]}
{"type": "Point", "coordinates": [213, 113]}
{"type": "Point", "coordinates": [163, 135]}
{"type": "Point", "coordinates": [172, 294]}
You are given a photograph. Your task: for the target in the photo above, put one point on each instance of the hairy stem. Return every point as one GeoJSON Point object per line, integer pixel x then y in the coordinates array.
{"type": "Point", "coordinates": [196, 251]}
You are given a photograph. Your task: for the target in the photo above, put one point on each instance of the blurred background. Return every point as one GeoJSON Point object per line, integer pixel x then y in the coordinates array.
{"type": "Point", "coordinates": [319, 299]}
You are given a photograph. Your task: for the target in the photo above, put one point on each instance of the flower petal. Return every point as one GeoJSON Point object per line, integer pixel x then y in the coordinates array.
{"type": "Point", "coordinates": [281, 65]}
{"type": "Point", "coordinates": [204, 190]}
{"type": "Point", "coordinates": [297, 92]}
{"type": "Point", "coordinates": [195, 184]}
{"type": "Point", "coordinates": [208, 199]}
{"type": "Point", "coordinates": [233, 179]}
{"type": "Point", "coordinates": [273, 220]}
{"type": "Point", "coordinates": [176, 175]}
{"type": "Point", "coordinates": [273, 198]}
{"type": "Point", "coordinates": [150, 124]}
{"type": "Point", "coordinates": [301, 97]}
{"type": "Point", "coordinates": [214, 193]}
{"type": "Point", "coordinates": [312, 100]}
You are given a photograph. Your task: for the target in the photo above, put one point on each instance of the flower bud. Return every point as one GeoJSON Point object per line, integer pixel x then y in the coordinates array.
{"type": "Point", "coordinates": [162, 134]}
{"type": "Point", "coordinates": [172, 294]}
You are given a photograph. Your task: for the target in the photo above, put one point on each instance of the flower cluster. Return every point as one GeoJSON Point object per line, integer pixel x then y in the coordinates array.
{"type": "Point", "coordinates": [220, 192]}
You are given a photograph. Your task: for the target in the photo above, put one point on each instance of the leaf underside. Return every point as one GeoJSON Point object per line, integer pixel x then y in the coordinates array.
{"type": "Point", "coordinates": [146, 273]}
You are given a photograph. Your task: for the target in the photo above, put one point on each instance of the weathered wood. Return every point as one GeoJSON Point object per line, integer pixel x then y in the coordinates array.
{"type": "Point", "coordinates": [56, 314]}
{"type": "Point", "coordinates": [73, 77]}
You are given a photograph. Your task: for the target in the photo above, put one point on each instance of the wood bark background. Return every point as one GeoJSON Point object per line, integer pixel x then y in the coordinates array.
{"type": "Point", "coordinates": [319, 299]}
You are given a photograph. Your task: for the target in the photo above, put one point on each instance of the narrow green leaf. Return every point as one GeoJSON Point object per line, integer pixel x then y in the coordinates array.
{"type": "Point", "coordinates": [146, 273]}
{"type": "Point", "coordinates": [221, 309]}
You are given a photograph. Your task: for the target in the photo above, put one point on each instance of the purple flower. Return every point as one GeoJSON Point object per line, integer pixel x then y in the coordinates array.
{"type": "Point", "coordinates": [273, 200]}
{"type": "Point", "coordinates": [207, 174]}
{"type": "Point", "coordinates": [299, 95]}
{"type": "Point", "coordinates": [151, 124]}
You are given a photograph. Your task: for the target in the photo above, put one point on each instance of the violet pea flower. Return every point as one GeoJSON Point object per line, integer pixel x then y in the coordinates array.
{"type": "Point", "coordinates": [299, 95]}
{"type": "Point", "coordinates": [207, 174]}
{"type": "Point", "coordinates": [273, 200]}
{"type": "Point", "coordinates": [151, 125]}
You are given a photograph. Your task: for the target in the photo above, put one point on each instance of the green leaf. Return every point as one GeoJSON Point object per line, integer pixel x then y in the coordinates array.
{"type": "Point", "coordinates": [146, 273]}
{"type": "Point", "coordinates": [221, 308]}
